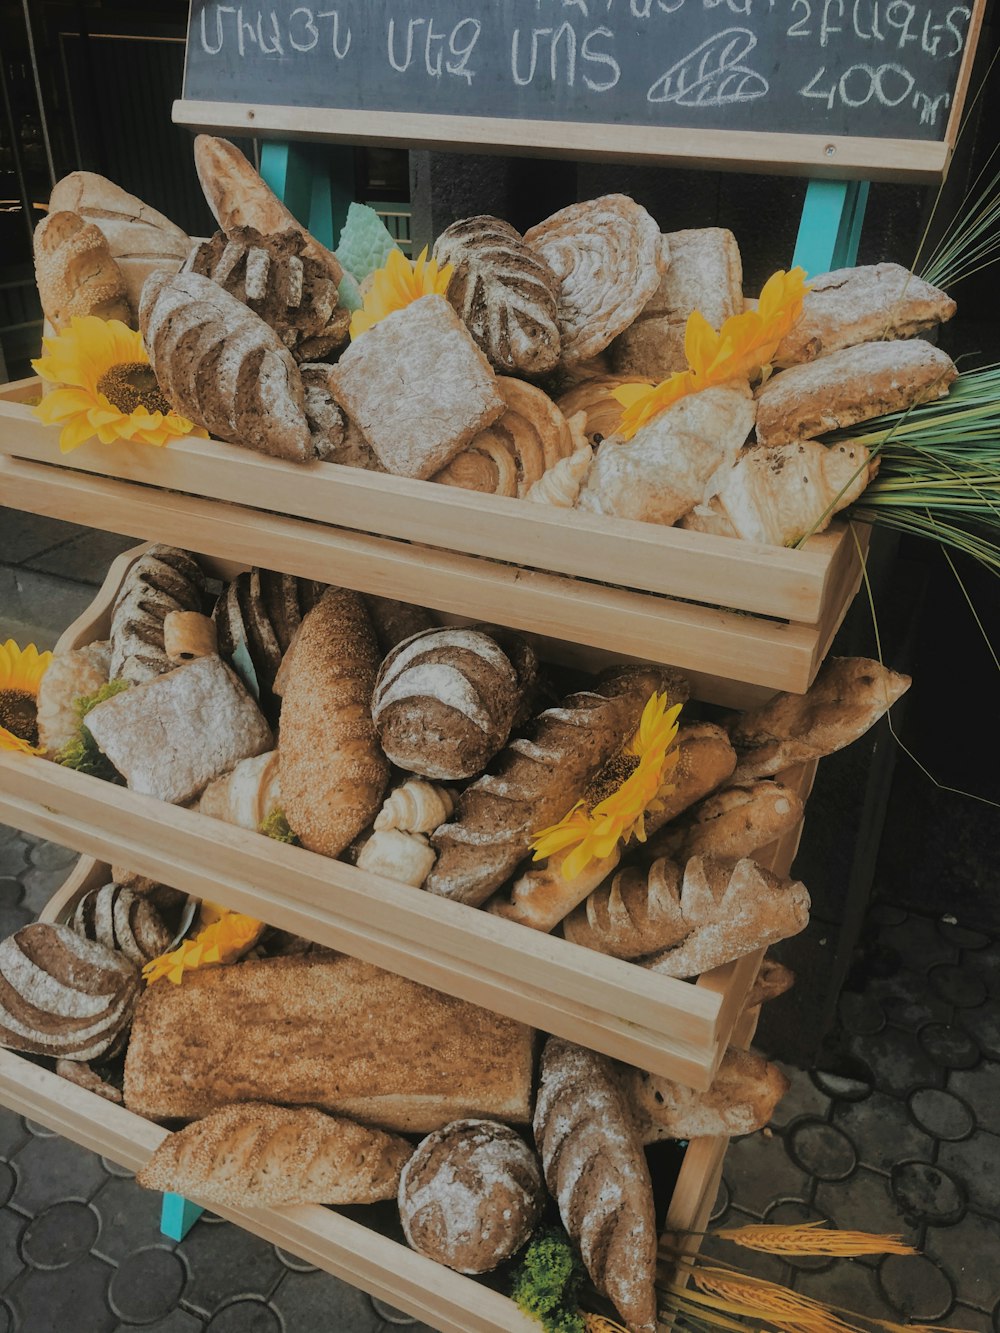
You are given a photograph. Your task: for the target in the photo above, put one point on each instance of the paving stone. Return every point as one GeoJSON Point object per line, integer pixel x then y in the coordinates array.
{"type": "Point", "coordinates": [395, 1318]}
{"type": "Point", "coordinates": [848, 1285]}
{"type": "Point", "coordinates": [981, 1089]}
{"type": "Point", "coordinates": [23, 535]}
{"type": "Point", "coordinates": [320, 1301]}
{"type": "Point", "coordinates": [13, 918]}
{"type": "Point", "coordinates": [915, 1286]}
{"type": "Point", "coordinates": [898, 1062]}
{"type": "Point", "coordinates": [247, 1316]}
{"type": "Point", "coordinates": [968, 1252]}
{"type": "Point", "coordinates": [147, 1285]}
{"type": "Point", "coordinates": [38, 607]}
{"type": "Point", "coordinates": [928, 1192]}
{"type": "Point", "coordinates": [11, 1227]}
{"type": "Point", "coordinates": [849, 1079]}
{"type": "Point", "coordinates": [39, 886]}
{"type": "Point", "coordinates": [958, 985]}
{"type": "Point", "coordinates": [942, 1114]}
{"type": "Point", "coordinates": [987, 963]}
{"type": "Point", "coordinates": [8, 834]}
{"type": "Point", "coordinates": [964, 1317]}
{"type": "Point", "coordinates": [976, 1163]}
{"type": "Point", "coordinates": [949, 1046]}
{"type": "Point", "coordinates": [802, 1098]}
{"type": "Point", "coordinates": [758, 1172]}
{"type": "Point", "coordinates": [293, 1262]}
{"type": "Point", "coordinates": [177, 1321]}
{"type": "Point", "coordinates": [955, 933]}
{"type": "Point", "coordinates": [129, 1216]}
{"type": "Point", "coordinates": [984, 1025]}
{"type": "Point", "coordinates": [6, 1318]}
{"type": "Point", "coordinates": [53, 1302]}
{"type": "Point", "coordinates": [886, 914]}
{"type": "Point", "coordinates": [60, 1235]}
{"type": "Point", "coordinates": [865, 1202]}
{"type": "Point", "coordinates": [13, 859]}
{"type": "Point", "coordinates": [919, 942]}
{"type": "Point", "coordinates": [13, 1132]}
{"type": "Point", "coordinates": [84, 558]}
{"type": "Point", "coordinates": [908, 1001]}
{"type": "Point", "coordinates": [50, 1170]}
{"type": "Point", "coordinates": [820, 1149]}
{"type": "Point", "coordinates": [859, 1013]}
{"type": "Point", "coordinates": [8, 1180]}
{"type": "Point", "coordinates": [50, 856]}
{"type": "Point", "coordinates": [114, 1169]}
{"type": "Point", "coordinates": [882, 1131]}
{"type": "Point", "coordinates": [225, 1263]}
{"type": "Point", "coordinates": [40, 1131]}
{"type": "Point", "coordinates": [793, 1213]}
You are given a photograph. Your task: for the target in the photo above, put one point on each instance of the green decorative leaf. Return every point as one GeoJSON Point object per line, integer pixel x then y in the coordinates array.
{"type": "Point", "coordinates": [547, 1282]}
{"type": "Point", "coordinates": [365, 242]}
{"type": "Point", "coordinates": [81, 752]}
{"type": "Point", "coordinates": [276, 826]}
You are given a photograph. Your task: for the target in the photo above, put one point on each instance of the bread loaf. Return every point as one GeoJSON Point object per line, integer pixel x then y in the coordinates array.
{"type": "Point", "coordinates": [444, 702]}
{"type": "Point", "coordinates": [328, 426]}
{"type": "Point", "coordinates": [773, 979]}
{"type": "Point", "coordinates": [63, 996]}
{"type": "Point", "coordinates": [596, 1171]}
{"type": "Point", "coordinates": [326, 1031]}
{"type": "Point", "coordinates": [255, 1155]}
{"type": "Point", "coordinates": [332, 772]}
{"type": "Point", "coordinates": [706, 760]}
{"type": "Point", "coordinates": [534, 781]}
{"type": "Point", "coordinates": [731, 823]}
{"type": "Point", "coordinates": [123, 921]}
{"type": "Point", "coordinates": [75, 272]}
{"type": "Point", "coordinates": [542, 896]}
{"type": "Point", "coordinates": [635, 912]}
{"type": "Point", "coordinates": [471, 1195]}
{"type": "Point", "coordinates": [219, 365]}
{"type": "Point", "coordinates": [162, 580]}
{"type": "Point", "coordinates": [247, 794]}
{"type": "Point", "coordinates": [71, 675]}
{"type": "Point", "coordinates": [395, 621]}
{"type": "Point", "coordinates": [743, 1097]}
{"type": "Point", "coordinates": [504, 292]}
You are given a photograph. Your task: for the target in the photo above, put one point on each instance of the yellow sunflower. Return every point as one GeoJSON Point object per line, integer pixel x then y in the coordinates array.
{"type": "Point", "coordinates": [21, 674]}
{"type": "Point", "coordinates": [397, 285]}
{"type": "Point", "coordinates": [106, 387]}
{"type": "Point", "coordinates": [225, 936]}
{"type": "Point", "coordinates": [614, 807]}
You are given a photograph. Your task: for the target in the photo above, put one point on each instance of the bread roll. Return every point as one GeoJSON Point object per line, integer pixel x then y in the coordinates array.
{"type": "Point", "coordinates": [405, 857]}
{"type": "Point", "coordinates": [743, 1097]}
{"type": "Point", "coordinates": [332, 772]}
{"type": "Point", "coordinates": [706, 760]}
{"type": "Point", "coordinates": [255, 1155]}
{"type": "Point", "coordinates": [75, 272]}
{"type": "Point", "coordinates": [471, 1195]}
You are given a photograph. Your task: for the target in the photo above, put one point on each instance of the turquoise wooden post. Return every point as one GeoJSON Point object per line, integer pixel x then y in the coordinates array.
{"type": "Point", "coordinates": [830, 226]}
{"type": "Point", "coordinates": [315, 181]}
{"type": "Point", "coordinates": [177, 1216]}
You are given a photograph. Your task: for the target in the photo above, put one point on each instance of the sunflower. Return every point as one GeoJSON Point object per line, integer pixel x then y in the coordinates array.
{"type": "Point", "coordinates": [614, 807]}
{"type": "Point", "coordinates": [225, 936]}
{"type": "Point", "coordinates": [21, 674]}
{"type": "Point", "coordinates": [106, 387]}
{"type": "Point", "coordinates": [399, 284]}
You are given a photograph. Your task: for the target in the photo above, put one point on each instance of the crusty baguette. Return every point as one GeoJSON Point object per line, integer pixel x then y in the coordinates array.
{"type": "Point", "coordinates": [256, 1155]}
{"type": "Point", "coordinates": [731, 823]}
{"type": "Point", "coordinates": [75, 271]}
{"type": "Point", "coordinates": [327, 1031]}
{"type": "Point", "coordinates": [635, 912]}
{"type": "Point", "coordinates": [773, 979]}
{"type": "Point", "coordinates": [707, 759]}
{"type": "Point", "coordinates": [331, 770]}
{"type": "Point", "coordinates": [742, 1099]}
{"type": "Point", "coordinates": [541, 897]}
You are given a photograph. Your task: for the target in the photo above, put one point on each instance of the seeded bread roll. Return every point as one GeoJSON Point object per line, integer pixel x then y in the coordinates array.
{"type": "Point", "coordinates": [471, 1195]}
{"type": "Point", "coordinates": [162, 580]}
{"type": "Point", "coordinates": [75, 272]}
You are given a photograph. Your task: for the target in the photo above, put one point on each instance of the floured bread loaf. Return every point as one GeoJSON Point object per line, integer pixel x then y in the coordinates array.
{"type": "Point", "coordinates": [742, 1099]}
{"type": "Point", "coordinates": [731, 823]}
{"type": "Point", "coordinates": [634, 913]}
{"type": "Point", "coordinates": [123, 921]}
{"type": "Point", "coordinates": [71, 675]}
{"type": "Point", "coordinates": [255, 1155]}
{"type": "Point", "coordinates": [707, 759]}
{"type": "Point", "coordinates": [504, 292]}
{"type": "Point", "coordinates": [849, 386]}
{"type": "Point", "coordinates": [705, 274]}
{"type": "Point", "coordinates": [869, 303]}
{"type": "Point", "coordinates": [63, 996]}
{"type": "Point", "coordinates": [607, 255]}
{"type": "Point", "coordinates": [327, 424]}
{"type": "Point", "coordinates": [75, 272]}
{"type": "Point", "coordinates": [258, 613]}
{"type": "Point", "coordinates": [471, 1195]}
{"type": "Point", "coordinates": [444, 702]}
{"type": "Point", "coordinates": [596, 1171]}
{"type": "Point", "coordinates": [327, 1031]}
{"type": "Point", "coordinates": [162, 580]}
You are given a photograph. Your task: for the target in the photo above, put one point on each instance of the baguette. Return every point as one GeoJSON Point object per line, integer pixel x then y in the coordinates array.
{"type": "Point", "coordinates": [743, 1097]}
{"type": "Point", "coordinates": [707, 759]}
{"type": "Point", "coordinates": [731, 823]}
{"type": "Point", "coordinates": [635, 913]}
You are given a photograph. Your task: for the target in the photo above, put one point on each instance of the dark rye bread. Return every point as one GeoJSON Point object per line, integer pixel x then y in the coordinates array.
{"type": "Point", "coordinates": [471, 1195]}
{"type": "Point", "coordinates": [852, 385]}
{"type": "Point", "coordinates": [122, 920]}
{"type": "Point", "coordinates": [395, 621]}
{"type": "Point", "coordinates": [61, 995]}
{"type": "Point", "coordinates": [596, 1171]}
{"type": "Point", "coordinates": [162, 580]}
{"type": "Point", "coordinates": [259, 612]}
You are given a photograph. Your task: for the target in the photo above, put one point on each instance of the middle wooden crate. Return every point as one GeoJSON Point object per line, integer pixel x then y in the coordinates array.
{"type": "Point", "coordinates": [676, 1028]}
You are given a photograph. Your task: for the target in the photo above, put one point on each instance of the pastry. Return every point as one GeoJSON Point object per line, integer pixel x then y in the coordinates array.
{"type": "Point", "coordinates": [508, 457]}
{"type": "Point", "coordinates": [607, 255]}
{"type": "Point", "coordinates": [859, 305]}
{"type": "Point", "coordinates": [63, 996]}
{"type": "Point", "coordinates": [665, 469]}
{"type": "Point", "coordinates": [122, 920]}
{"type": "Point", "coordinates": [171, 736]}
{"type": "Point", "coordinates": [238, 197]}
{"type": "Point", "coordinates": [596, 1172]}
{"type": "Point", "coordinates": [255, 1155]}
{"type": "Point", "coordinates": [471, 1195]}
{"type": "Point", "coordinates": [849, 386]}
{"type": "Point", "coordinates": [162, 580]}
{"type": "Point", "coordinates": [257, 616]}
{"type": "Point", "coordinates": [141, 240]}
{"type": "Point", "coordinates": [846, 699]}
{"type": "Point", "coordinates": [404, 857]}
{"type": "Point", "coordinates": [332, 772]}
{"type": "Point", "coordinates": [219, 365]}
{"type": "Point", "coordinates": [444, 702]}
{"type": "Point", "coordinates": [705, 274]}
{"type": "Point", "coordinates": [75, 272]}
{"type": "Point", "coordinates": [560, 485]}
{"type": "Point", "coordinates": [742, 1099]}
{"type": "Point", "coordinates": [247, 794]}
{"type": "Point", "coordinates": [418, 387]}
{"type": "Point", "coordinates": [73, 674]}
{"type": "Point", "coordinates": [635, 912]}
{"type": "Point", "coordinates": [328, 1031]}
{"type": "Point", "coordinates": [504, 293]}
{"type": "Point", "coordinates": [602, 412]}
{"type": "Point", "coordinates": [731, 823]}
{"type": "Point", "coordinates": [187, 635]}
{"type": "Point", "coordinates": [415, 807]}
{"type": "Point", "coordinates": [395, 621]}
{"type": "Point", "coordinates": [535, 781]}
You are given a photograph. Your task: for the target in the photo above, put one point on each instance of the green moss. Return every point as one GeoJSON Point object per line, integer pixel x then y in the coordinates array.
{"type": "Point", "coordinates": [81, 751]}
{"type": "Point", "coordinates": [547, 1282]}
{"type": "Point", "coordinates": [276, 826]}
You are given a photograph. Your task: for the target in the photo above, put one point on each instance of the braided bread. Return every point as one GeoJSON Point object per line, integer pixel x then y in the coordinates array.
{"type": "Point", "coordinates": [162, 580]}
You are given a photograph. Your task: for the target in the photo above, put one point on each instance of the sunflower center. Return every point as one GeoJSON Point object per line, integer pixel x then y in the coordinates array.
{"type": "Point", "coordinates": [130, 385]}
{"type": "Point", "coordinates": [19, 714]}
{"type": "Point", "coordinates": [612, 776]}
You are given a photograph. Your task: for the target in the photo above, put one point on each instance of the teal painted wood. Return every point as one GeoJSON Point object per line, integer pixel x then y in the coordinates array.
{"type": "Point", "coordinates": [833, 214]}
{"type": "Point", "coordinates": [288, 169]}
{"type": "Point", "coordinates": [177, 1216]}
{"type": "Point", "coordinates": [315, 181]}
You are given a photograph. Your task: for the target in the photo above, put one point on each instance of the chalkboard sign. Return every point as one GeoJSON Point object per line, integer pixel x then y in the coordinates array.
{"type": "Point", "coordinates": [848, 87]}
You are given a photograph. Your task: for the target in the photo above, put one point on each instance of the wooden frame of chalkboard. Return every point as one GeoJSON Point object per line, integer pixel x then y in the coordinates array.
{"type": "Point", "coordinates": [830, 150]}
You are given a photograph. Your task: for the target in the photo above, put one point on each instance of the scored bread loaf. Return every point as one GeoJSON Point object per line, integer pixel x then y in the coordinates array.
{"type": "Point", "coordinates": [123, 921]}
{"type": "Point", "coordinates": [731, 823]}
{"type": "Point", "coordinates": [162, 580]}
{"type": "Point", "coordinates": [395, 621]}
{"type": "Point", "coordinates": [75, 272]}
{"type": "Point", "coordinates": [327, 1031]}
{"type": "Point", "coordinates": [256, 1155]}
{"type": "Point", "coordinates": [332, 772]}
{"type": "Point", "coordinates": [742, 1099]}
{"type": "Point", "coordinates": [634, 913]}
{"type": "Point", "coordinates": [542, 896]}
{"type": "Point", "coordinates": [535, 780]}
{"type": "Point", "coordinates": [596, 1172]}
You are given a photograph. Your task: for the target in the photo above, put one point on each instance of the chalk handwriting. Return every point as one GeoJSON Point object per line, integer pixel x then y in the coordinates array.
{"type": "Point", "coordinates": [712, 74]}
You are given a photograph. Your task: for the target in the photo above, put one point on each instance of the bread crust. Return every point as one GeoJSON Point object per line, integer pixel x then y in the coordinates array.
{"type": "Point", "coordinates": [743, 1098]}
{"type": "Point", "coordinates": [76, 273]}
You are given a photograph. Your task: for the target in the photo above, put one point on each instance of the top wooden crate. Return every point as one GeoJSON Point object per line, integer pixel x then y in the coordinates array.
{"type": "Point", "coordinates": [740, 619]}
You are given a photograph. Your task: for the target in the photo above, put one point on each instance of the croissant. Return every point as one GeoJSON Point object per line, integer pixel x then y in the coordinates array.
{"type": "Point", "coordinates": [405, 857]}
{"type": "Point", "coordinates": [415, 807]}
{"type": "Point", "coordinates": [560, 485]}
{"type": "Point", "coordinates": [247, 794]}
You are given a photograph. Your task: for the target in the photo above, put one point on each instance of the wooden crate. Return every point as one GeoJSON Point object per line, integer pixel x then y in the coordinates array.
{"type": "Point", "coordinates": [741, 619]}
{"type": "Point", "coordinates": [321, 1236]}
{"type": "Point", "coordinates": [676, 1028]}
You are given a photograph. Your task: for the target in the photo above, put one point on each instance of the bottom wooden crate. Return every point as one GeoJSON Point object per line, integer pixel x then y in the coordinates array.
{"type": "Point", "coordinates": [321, 1236]}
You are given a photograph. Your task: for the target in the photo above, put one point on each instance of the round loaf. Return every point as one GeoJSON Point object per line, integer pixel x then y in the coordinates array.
{"type": "Point", "coordinates": [471, 1195]}
{"type": "Point", "coordinates": [445, 701]}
